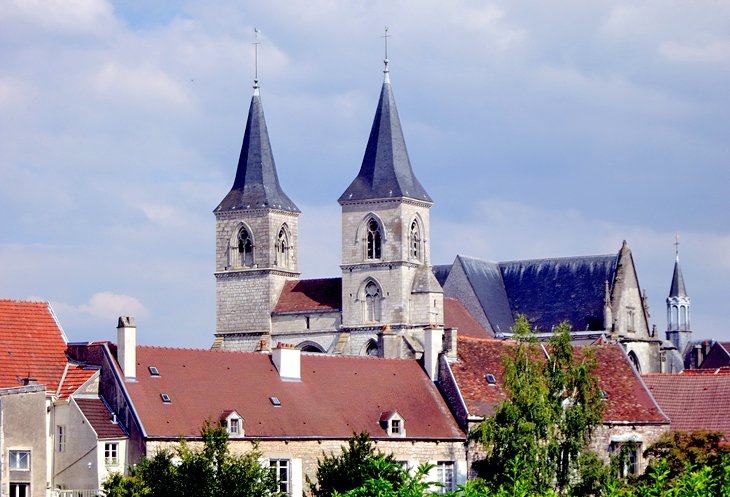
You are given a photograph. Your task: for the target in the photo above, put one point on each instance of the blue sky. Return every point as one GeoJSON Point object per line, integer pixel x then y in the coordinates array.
{"type": "Point", "coordinates": [540, 129]}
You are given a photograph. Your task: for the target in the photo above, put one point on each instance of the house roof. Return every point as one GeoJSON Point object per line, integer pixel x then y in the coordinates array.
{"type": "Point", "coordinates": [627, 398]}
{"type": "Point", "coordinates": [386, 169]}
{"type": "Point", "coordinates": [256, 185]}
{"type": "Point", "coordinates": [100, 418]}
{"type": "Point", "coordinates": [310, 295]}
{"type": "Point", "coordinates": [457, 316]}
{"type": "Point", "coordinates": [31, 344]}
{"type": "Point", "coordinates": [76, 375]}
{"type": "Point", "coordinates": [718, 356]}
{"type": "Point", "coordinates": [693, 401]}
{"type": "Point", "coordinates": [486, 280]}
{"type": "Point", "coordinates": [337, 395]}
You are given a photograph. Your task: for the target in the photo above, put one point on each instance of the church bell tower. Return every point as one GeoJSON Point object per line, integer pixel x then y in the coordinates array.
{"type": "Point", "coordinates": [678, 309]}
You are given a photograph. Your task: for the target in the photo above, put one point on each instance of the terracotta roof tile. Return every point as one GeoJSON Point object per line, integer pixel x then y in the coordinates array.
{"type": "Point", "coordinates": [456, 316]}
{"type": "Point", "coordinates": [336, 396]}
{"type": "Point", "coordinates": [100, 418]}
{"type": "Point", "coordinates": [31, 343]}
{"type": "Point", "coordinates": [627, 399]}
{"type": "Point", "coordinates": [76, 375]}
{"type": "Point", "coordinates": [693, 402]}
{"type": "Point", "coordinates": [311, 295]}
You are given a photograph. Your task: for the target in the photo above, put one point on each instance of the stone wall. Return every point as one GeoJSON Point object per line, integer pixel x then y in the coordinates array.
{"type": "Point", "coordinates": [644, 435]}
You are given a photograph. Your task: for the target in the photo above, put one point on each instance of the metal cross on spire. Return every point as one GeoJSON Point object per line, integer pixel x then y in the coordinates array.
{"type": "Point", "coordinates": [256, 44]}
{"type": "Point", "coordinates": [676, 245]}
{"type": "Point", "coordinates": [385, 60]}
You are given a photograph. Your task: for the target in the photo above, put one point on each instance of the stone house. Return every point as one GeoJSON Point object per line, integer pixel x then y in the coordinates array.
{"type": "Point", "coordinates": [296, 405]}
{"type": "Point", "coordinates": [473, 387]}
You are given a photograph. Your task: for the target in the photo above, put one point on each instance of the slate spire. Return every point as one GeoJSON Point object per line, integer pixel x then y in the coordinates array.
{"type": "Point", "coordinates": [386, 170]}
{"type": "Point", "coordinates": [677, 289]}
{"type": "Point", "coordinates": [256, 185]}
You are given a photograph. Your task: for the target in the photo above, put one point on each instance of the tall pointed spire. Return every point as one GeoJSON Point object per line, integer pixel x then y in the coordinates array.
{"type": "Point", "coordinates": [386, 169]}
{"type": "Point", "coordinates": [677, 289]}
{"type": "Point", "coordinates": [256, 185]}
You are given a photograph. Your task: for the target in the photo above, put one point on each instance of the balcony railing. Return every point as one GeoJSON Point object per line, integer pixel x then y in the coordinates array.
{"type": "Point", "coordinates": [76, 493]}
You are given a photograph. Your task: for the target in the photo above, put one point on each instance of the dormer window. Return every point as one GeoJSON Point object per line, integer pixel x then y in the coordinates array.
{"type": "Point", "coordinates": [393, 424]}
{"type": "Point", "coordinates": [233, 423]}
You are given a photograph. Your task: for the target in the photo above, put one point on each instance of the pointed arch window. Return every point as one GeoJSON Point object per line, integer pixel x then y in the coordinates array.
{"type": "Point", "coordinates": [373, 296]}
{"type": "Point", "coordinates": [414, 247]}
{"type": "Point", "coordinates": [374, 240]}
{"type": "Point", "coordinates": [243, 248]}
{"type": "Point", "coordinates": [282, 248]}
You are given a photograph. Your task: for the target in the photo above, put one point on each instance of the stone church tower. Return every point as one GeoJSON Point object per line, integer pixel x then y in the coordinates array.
{"type": "Point", "coordinates": [387, 282]}
{"type": "Point", "coordinates": [256, 241]}
{"type": "Point", "coordinates": [678, 311]}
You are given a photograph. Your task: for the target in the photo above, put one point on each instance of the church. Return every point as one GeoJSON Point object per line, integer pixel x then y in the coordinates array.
{"type": "Point", "coordinates": [390, 297]}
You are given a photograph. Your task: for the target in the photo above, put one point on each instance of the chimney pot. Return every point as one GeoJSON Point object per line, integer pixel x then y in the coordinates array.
{"type": "Point", "coordinates": [127, 346]}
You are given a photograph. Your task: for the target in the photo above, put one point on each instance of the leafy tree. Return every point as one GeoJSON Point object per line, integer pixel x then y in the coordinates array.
{"type": "Point", "coordinates": [383, 485]}
{"type": "Point", "coordinates": [209, 472]}
{"type": "Point", "coordinates": [680, 449]}
{"type": "Point", "coordinates": [358, 463]}
{"type": "Point", "coordinates": [554, 405]}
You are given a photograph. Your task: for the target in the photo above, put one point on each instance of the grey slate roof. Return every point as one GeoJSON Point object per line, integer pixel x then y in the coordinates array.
{"type": "Point", "coordinates": [441, 272]}
{"type": "Point", "coordinates": [549, 291]}
{"type": "Point", "coordinates": [546, 291]}
{"type": "Point", "coordinates": [256, 185]}
{"type": "Point", "coordinates": [386, 170]}
{"type": "Point", "coordinates": [677, 289]}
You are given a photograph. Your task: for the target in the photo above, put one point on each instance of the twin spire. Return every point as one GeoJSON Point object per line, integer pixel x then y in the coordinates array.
{"type": "Point", "coordinates": [385, 171]}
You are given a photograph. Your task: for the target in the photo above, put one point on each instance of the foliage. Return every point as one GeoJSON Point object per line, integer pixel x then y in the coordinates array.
{"type": "Point", "coordinates": [681, 449]}
{"type": "Point", "coordinates": [382, 484]}
{"type": "Point", "coordinates": [210, 472]}
{"type": "Point", "coordinates": [552, 409]}
{"type": "Point", "coordinates": [358, 463]}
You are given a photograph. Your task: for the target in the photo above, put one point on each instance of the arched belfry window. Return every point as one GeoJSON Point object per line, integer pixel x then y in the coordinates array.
{"type": "Point", "coordinates": [242, 248]}
{"type": "Point", "coordinates": [374, 239]}
{"type": "Point", "coordinates": [414, 246]}
{"type": "Point", "coordinates": [282, 247]}
{"type": "Point", "coordinates": [373, 297]}
{"type": "Point", "coordinates": [635, 361]}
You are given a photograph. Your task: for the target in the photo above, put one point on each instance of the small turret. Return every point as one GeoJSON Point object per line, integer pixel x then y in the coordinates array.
{"type": "Point", "coordinates": [678, 308]}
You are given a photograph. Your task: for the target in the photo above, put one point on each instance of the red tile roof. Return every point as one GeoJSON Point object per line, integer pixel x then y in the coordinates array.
{"type": "Point", "coordinates": [100, 418]}
{"type": "Point", "coordinates": [76, 376]}
{"type": "Point", "coordinates": [456, 316]}
{"type": "Point", "coordinates": [336, 396]}
{"type": "Point", "coordinates": [627, 399]}
{"type": "Point", "coordinates": [310, 295]}
{"type": "Point", "coordinates": [31, 343]}
{"type": "Point", "coordinates": [693, 402]}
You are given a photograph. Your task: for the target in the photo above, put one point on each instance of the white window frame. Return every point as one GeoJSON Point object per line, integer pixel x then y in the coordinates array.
{"type": "Point", "coordinates": [19, 460]}
{"type": "Point", "coordinates": [234, 426]}
{"type": "Point", "coordinates": [60, 438]}
{"type": "Point", "coordinates": [280, 465]}
{"type": "Point", "coordinates": [445, 475]}
{"type": "Point", "coordinates": [18, 486]}
{"type": "Point", "coordinates": [111, 453]}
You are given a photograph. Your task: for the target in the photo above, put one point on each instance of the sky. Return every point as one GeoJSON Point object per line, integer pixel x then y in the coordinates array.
{"type": "Point", "coordinates": [540, 129]}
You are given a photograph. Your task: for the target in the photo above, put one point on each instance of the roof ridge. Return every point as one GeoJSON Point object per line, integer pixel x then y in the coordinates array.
{"type": "Point", "coordinates": [560, 258]}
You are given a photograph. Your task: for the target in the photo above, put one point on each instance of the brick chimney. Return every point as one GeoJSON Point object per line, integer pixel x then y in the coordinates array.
{"type": "Point", "coordinates": [288, 361]}
{"type": "Point", "coordinates": [127, 346]}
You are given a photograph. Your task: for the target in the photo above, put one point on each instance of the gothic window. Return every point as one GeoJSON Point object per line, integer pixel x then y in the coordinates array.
{"type": "Point", "coordinates": [371, 349]}
{"type": "Point", "coordinates": [244, 248]}
{"type": "Point", "coordinates": [683, 318]}
{"type": "Point", "coordinates": [282, 247]}
{"type": "Point", "coordinates": [414, 248]}
{"type": "Point", "coordinates": [372, 301]}
{"type": "Point", "coordinates": [635, 361]}
{"type": "Point", "coordinates": [374, 240]}
{"type": "Point", "coordinates": [674, 319]}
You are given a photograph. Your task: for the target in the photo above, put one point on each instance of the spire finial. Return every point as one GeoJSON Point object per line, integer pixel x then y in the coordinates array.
{"type": "Point", "coordinates": [385, 60]}
{"type": "Point", "coordinates": [256, 44]}
{"type": "Point", "coordinates": [676, 246]}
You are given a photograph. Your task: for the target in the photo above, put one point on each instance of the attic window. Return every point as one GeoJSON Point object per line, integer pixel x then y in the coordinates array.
{"type": "Point", "coordinates": [604, 395]}
{"type": "Point", "coordinates": [491, 380]}
{"type": "Point", "coordinates": [165, 398]}
{"type": "Point", "coordinates": [275, 401]}
{"type": "Point", "coordinates": [395, 427]}
{"type": "Point", "coordinates": [154, 371]}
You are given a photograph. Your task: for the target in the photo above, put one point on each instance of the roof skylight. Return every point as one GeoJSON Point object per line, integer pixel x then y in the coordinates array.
{"type": "Point", "coordinates": [154, 371]}
{"type": "Point", "coordinates": [165, 398]}
{"type": "Point", "coordinates": [275, 401]}
{"type": "Point", "coordinates": [491, 380]}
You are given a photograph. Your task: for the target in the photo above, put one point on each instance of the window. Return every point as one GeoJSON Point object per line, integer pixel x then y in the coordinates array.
{"type": "Point", "coordinates": [395, 427]}
{"type": "Point", "coordinates": [234, 426]}
{"type": "Point", "coordinates": [19, 460]}
{"type": "Point", "coordinates": [372, 349]}
{"type": "Point", "coordinates": [491, 380]}
{"type": "Point", "coordinates": [372, 301]}
{"type": "Point", "coordinates": [165, 398]}
{"type": "Point", "coordinates": [281, 470]}
{"type": "Point", "coordinates": [20, 490]}
{"type": "Point", "coordinates": [61, 438]}
{"type": "Point", "coordinates": [415, 241]}
{"type": "Point", "coordinates": [282, 248]}
{"type": "Point", "coordinates": [111, 453]}
{"type": "Point", "coordinates": [374, 240]}
{"type": "Point", "coordinates": [445, 476]}
{"type": "Point", "coordinates": [154, 371]}
{"type": "Point", "coordinates": [628, 454]}
{"type": "Point", "coordinates": [245, 248]}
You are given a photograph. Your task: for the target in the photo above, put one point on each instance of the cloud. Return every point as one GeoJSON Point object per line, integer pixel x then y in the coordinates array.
{"type": "Point", "coordinates": [143, 85]}
{"type": "Point", "coordinates": [102, 307]}
{"type": "Point", "coordinates": [712, 52]}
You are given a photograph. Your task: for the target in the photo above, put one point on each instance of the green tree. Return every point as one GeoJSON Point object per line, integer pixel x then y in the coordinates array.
{"type": "Point", "coordinates": [554, 404]}
{"type": "Point", "coordinates": [358, 463]}
{"type": "Point", "coordinates": [208, 472]}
